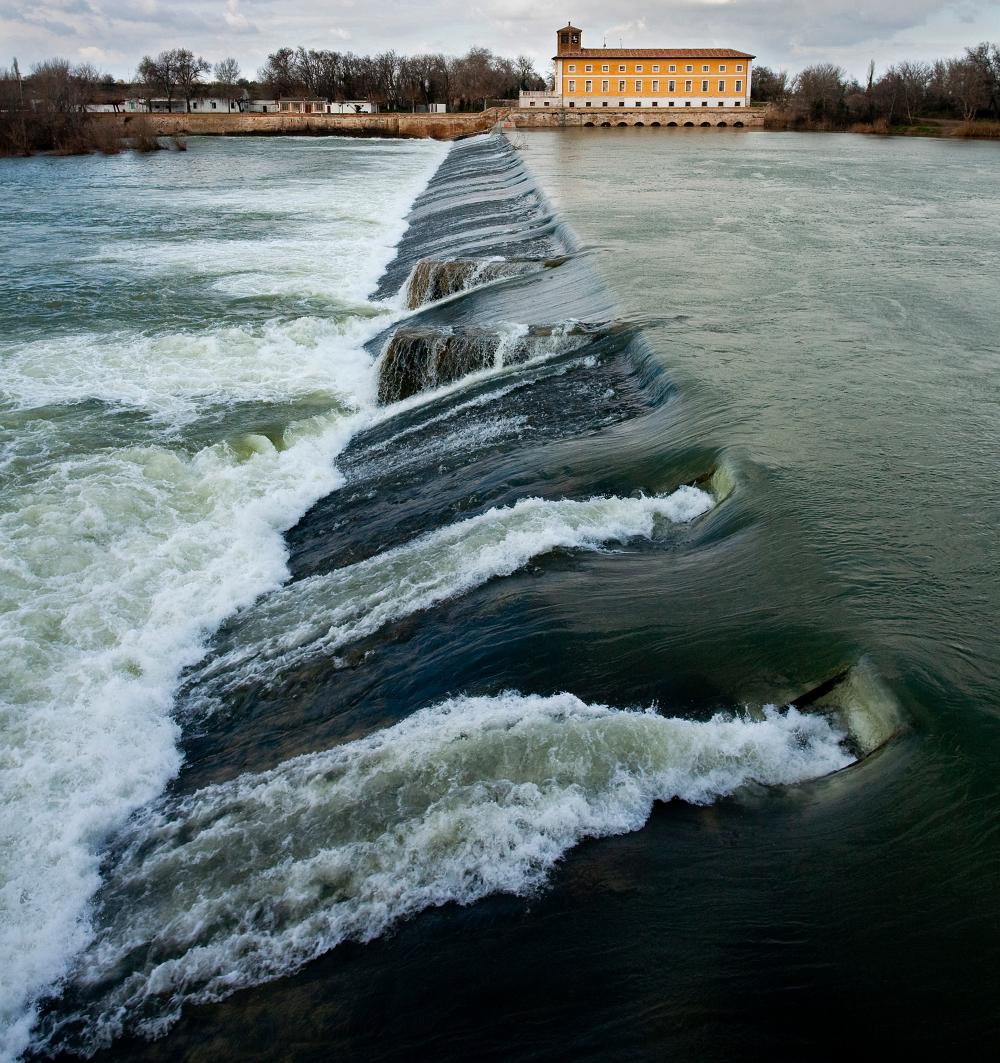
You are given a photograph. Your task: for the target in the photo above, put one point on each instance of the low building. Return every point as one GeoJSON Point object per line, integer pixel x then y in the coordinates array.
{"type": "Point", "coordinates": [644, 77]}
{"type": "Point", "coordinates": [214, 104]}
{"type": "Point", "coordinates": [199, 105]}
{"type": "Point", "coordinates": [307, 105]}
{"type": "Point", "coordinates": [262, 106]}
{"type": "Point", "coordinates": [353, 107]}
{"type": "Point", "coordinates": [539, 99]}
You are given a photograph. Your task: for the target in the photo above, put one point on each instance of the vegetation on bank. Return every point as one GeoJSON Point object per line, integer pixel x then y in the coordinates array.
{"type": "Point", "coordinates": [951, 97]}
{"type": "Point", "coordinates": [47, 110]}
{"type": "Point", "coordinates": [399, 82]}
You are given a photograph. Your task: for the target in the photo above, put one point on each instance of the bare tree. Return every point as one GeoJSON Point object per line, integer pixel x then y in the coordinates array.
{"type": "Point", "coordinates": [967, 86]}
{"type": "Point", "coordinates": [280, 74]}
{"type": "Point", "coordinates": [189, 69]}
{"type": "Point", "coordinates": [914, 80]}
{"type": "Point", "coordinates": [986, 57]}
{"type": "Point", "coordinates": [158, 76]}
{"type": "Point", "coordinates": [821, 89]}
{"type": "Point", "coordinates": [227, 74]}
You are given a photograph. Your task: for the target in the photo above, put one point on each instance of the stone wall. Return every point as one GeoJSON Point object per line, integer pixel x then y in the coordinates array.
{"type": "Point", "coordinates": [434, 126]}
{"type": "Point", "coordinates": [576, 117]}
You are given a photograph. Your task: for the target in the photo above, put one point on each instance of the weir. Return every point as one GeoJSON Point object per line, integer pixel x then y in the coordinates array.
{"type": "Point", "coordinates": [518, 465]}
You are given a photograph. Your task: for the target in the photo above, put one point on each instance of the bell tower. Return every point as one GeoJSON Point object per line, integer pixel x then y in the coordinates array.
{"type": "Point", "coordinates": [568, 39]}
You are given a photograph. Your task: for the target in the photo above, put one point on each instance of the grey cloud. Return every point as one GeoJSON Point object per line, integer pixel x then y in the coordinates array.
{"type": "Point", "coordinates": [781, 32]}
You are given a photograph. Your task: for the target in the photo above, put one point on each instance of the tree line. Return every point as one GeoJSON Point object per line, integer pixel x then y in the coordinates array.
{"type": "Point", "coordinates": [47, 108]}
{"type": "Point", "coordinates": [823, 96]}
{"type": "Point", "coordinates": [398, 82]}
{"type": "Point", "coordinates": [394, 82]}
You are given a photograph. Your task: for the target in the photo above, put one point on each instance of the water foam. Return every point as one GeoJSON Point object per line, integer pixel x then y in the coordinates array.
{"type": "Point", "coordinates": [473, 796]}
{"type": "Point", "coordinates": [118, 562]}
{"type": "Point", "coordinates": [322, 614]}
{"type": "Point", "coordinates": [174, 376]}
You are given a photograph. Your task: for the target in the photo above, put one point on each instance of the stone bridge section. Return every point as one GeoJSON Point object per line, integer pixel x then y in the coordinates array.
{"type": "Point", "coordinates": [661, 117]}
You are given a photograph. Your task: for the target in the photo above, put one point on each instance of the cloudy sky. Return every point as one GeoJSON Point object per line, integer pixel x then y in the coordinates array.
{"type": "Point", "coordinates": [114, 34]}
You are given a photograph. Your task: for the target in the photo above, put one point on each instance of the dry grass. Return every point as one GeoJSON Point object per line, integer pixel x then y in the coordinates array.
{"type": "Point", "coordinates": [982, 129]}
{"type": "Point", "coordinates": [880, 127]}
{"type": "Point", "coordinates": [143, 134]}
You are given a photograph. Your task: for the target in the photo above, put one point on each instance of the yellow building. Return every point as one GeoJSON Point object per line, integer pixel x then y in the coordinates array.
{"type": "Point", "coordinates": [647, 77]}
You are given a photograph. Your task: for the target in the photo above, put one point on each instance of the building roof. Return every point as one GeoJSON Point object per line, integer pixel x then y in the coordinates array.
{"type": "Point", "coordinates": [655, 53]}
{"type": "Point", "coordinates": [570, 26]}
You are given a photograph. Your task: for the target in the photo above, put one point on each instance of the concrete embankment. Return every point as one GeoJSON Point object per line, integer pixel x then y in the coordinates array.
{"type": "Point", "coordinates": [421, 126]}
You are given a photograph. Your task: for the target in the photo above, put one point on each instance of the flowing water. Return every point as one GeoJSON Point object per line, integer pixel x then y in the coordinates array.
{"type": "Point", "coordinates": [375, 534]}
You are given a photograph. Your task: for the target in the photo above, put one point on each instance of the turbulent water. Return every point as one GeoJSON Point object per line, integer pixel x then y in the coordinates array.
{"type": "Point", "coordinates": [362, 559]}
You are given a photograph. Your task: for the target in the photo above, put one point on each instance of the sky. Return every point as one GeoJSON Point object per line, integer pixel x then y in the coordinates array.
{"type": "Point", "coordinates": [784, 34]}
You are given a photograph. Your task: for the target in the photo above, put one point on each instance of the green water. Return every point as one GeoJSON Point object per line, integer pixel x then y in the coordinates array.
{"type": "Point", "coordinates": [831, 307]}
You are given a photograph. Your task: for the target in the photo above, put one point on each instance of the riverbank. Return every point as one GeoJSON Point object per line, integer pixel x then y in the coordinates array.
{"type": "Point", "coordinates": [976, 129]}
{"type": "Point", "coordinates": [397, 126]}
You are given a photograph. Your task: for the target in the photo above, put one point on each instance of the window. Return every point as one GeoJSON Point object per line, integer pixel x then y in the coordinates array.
{"type": "Point", "coordinates": [621, 103]}
{"type": "Point", "coordinates": [671, 86]}
{"type": "Point", "coordinates": [638, 86]}
{"type": "Point", "coordinates": [722, 68]}
{"type": "Point", "coordinates": [588, 104]}
{"type": "Point", "coordinates": [722, 87]}
{"type": "Point", "coordinates": [621, 86]}
{"type": "Point", "coordinates": [688, 86]}
{"type": "Point", "coordinates": [589, 68]}
{"type": "Point", "coordinates": [704, 103]}
{"type": "Point", "coordinates": [605, 87]}
{"type": "Point", "coordinates": [672, 69]}
{"type": "Point", "coordinates": [655, 103]}
{"type": "Point", "coordinates": [605, 68]}
{"type": "Point", "coordinates": [655, 88]}
{"type": "Point", "coordinates": [656, 68]}
{"type": "Point", "coordinates": [671, 104]}
{"type": "Point", "coordinates": [638, 103]}
{"type": "Point", "coordinates": [621, 68]}
{"type": "Point", "coordinates": [739, 86]}
{"type": "Point", "coordinates": [588, 86]}
{"type": "Point", "coordinates": [704, 86]}
{"type": "Point", "coordinates": [737, 103]}
{"type": "Point", "coordinates": [704, 68]}
{"type": "Point", "coordinates": [546, 103]}
{"type": "Point", "coordinates": [687, 103]}
{"type": "Point", "coordinates": [531, 104]}
{"type": "Point", "coordinates": [572, 104]}
{"type": "Point", "coordinates": [214, 105]}
{"type": "Point", "coordinates": [572, 68]}
{"type": "Point", "coordinates": [689, 69]}
{"type": "Point", "coordinates": [571, 86]}
{"type": "Point", "coordinates": [739, 68]}
{"type": "Point", "coordinates": [638, 68]}
{"type": "Point", "coordinates": [605, 104]}
{"type": "Point", "coordinates": [564, 38]}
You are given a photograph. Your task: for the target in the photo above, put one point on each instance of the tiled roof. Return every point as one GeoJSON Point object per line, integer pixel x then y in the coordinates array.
{"type": "Point", "coordinates": [655, 53]}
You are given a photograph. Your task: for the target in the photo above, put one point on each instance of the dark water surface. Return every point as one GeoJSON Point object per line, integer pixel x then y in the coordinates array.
{"type": "Point", "coordinates": [813, 317]}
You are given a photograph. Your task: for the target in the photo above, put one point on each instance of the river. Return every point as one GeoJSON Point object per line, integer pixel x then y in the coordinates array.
{"type": "Point", "coordinates": [397, 658]}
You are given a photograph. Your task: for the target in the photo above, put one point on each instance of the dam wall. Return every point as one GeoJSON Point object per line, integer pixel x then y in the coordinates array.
{"type": "Point", "coordinates": [412, 126]}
